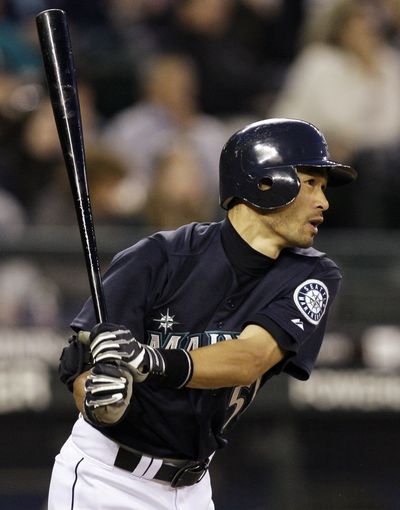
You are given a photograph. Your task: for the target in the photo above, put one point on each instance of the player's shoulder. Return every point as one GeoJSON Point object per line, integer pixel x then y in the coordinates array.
{"type": "Point", "coordinates": [192, 238]}
{"type": "Point", "coordinates": [156, 248]}
{"type": "Point", "coordinates": [312, 256]}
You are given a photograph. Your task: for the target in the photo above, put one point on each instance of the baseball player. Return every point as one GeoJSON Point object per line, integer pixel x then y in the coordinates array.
{"type": "Point", "coordinates": [200, 319]}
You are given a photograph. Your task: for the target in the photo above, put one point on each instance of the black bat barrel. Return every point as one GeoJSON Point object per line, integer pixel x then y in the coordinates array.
{"type": "Point", "coordinates": [60, 72]}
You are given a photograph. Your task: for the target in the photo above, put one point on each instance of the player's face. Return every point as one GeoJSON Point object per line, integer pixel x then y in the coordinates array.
{"type": "Point", "coordinates": [297, 224]}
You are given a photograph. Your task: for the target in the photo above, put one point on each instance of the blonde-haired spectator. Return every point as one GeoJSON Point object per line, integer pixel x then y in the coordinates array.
{"type": "Point", "coordinates": [346, 80]}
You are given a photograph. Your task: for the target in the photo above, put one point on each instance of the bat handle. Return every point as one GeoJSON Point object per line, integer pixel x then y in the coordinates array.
{"type": "Point", "coordinates": [97, 292]}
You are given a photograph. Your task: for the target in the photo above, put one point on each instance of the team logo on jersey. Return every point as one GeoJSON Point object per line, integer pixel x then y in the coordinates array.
{"type": "Point", "coordinates": [311, 298]}
{"type": "Point", "coordinates": [188, 341]}
{"type": "Point", "coordinates": [166, 321]}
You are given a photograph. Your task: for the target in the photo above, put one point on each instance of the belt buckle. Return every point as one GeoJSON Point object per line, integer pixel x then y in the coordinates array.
{"type": "Point", "coordinates": [189, 474]}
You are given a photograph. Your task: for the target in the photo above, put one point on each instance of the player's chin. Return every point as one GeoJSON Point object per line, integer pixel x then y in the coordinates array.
{"type": "Point", "coordinates": [302, 238]}
{"type": "Point", "coordinates": [308, 236]}
{"type": "Point", "coordinates": [305, 241]}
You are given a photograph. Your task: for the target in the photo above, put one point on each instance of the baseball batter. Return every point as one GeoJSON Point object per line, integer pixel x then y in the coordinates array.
{"type": "Point", "coordinates": [200, 319]}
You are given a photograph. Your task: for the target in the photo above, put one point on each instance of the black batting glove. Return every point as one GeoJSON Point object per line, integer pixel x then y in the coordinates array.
{"type": "Point", "coordinates": [111, 343]}
{"type": "Point", "coordinates": [75, 359]}
{"type": "Point", "coordinates": [108, 390]}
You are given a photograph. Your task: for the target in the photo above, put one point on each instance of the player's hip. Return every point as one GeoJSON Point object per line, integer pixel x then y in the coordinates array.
{"type": "Point", "coordinates": [82, 482]}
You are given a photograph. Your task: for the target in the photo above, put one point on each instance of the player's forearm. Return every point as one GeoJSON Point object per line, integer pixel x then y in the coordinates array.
{"type": "Point", "coordinates": [232, 363]}
{"type": "Point", "coordinates": [236, 362]}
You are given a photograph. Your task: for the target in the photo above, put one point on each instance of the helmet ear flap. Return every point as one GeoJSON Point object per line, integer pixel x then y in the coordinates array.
{"type": "Point", "coordinates": [276, 188]}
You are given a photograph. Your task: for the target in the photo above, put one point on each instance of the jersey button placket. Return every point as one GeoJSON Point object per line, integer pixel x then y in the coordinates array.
{"type": "Point", "coordinates": [230, 304]}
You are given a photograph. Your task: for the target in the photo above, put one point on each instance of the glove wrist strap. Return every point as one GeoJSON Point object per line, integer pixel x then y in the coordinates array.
{"type": "Point", "coordinates": [178, 368]}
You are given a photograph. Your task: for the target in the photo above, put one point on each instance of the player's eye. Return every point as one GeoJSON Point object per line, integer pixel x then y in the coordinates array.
{"type": "Point", "coordinates": [312, 182]}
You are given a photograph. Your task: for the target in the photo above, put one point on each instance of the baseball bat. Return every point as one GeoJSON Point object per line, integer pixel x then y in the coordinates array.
{"type": "Point", "coordinates": [56, 49]}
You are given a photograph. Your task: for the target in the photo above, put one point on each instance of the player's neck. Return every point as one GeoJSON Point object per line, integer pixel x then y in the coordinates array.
{"type": "Point", "coordinates": [249, 224]}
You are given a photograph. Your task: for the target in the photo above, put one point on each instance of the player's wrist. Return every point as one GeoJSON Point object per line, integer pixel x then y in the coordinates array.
{"type": "Point", "coordinates": [170, 368]}
{"type": "Point", "coordinates": [110, 343]}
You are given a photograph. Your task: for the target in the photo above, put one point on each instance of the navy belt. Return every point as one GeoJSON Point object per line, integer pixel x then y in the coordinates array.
{"type": "Point", "coordinates": [182, 475]}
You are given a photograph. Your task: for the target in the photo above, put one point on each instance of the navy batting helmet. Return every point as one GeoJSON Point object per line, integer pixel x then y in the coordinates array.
{"type": "Point", "coordinates": [258, 163]}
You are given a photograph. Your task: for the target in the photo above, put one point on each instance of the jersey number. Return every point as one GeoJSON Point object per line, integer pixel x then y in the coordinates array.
{"type": "Point", "coordinates": [242, 397]}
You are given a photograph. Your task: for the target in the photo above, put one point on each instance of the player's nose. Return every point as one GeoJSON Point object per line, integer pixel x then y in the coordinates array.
{"type": "Point", "coordinates": [323, 202]}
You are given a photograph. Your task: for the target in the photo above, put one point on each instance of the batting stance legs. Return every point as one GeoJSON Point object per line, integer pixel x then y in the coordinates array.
{"type": "Point", "coordinates": [84, 478]}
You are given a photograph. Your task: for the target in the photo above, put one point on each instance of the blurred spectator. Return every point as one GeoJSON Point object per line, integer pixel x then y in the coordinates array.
{"type": "Point", "coordinates": [179, 192]}
{"type": "Point", "coordinates": [19, 51]}
{"type": "Point", "coordinates": [17, 101]}
{"type": "Point", "coordinates": [127, 15]}
{"type": "Point", "coordinates": [389, 13]}
{"type": "Point", "coordinates": [111, 38]}
{"type": "Point", "coordinates": [168, 112]}
{"type": "Point", "coordinates": [39, 152]}
{"type": "Point", "coordinates": [110, 205]}
{"type": "Point", "coordinates": [27, 296]}
{"type": "Point", "coordinates": [12, 215]}
{"type": "Point", "coordinates": [258, 26]}
{"type": "Point", "coordinates": [346, 81]}
{"type": "Point", "coordinates": [104, 54]}
{"type": "Point", "coordinates": [18, 97]}
{"type": "Point", "coordinates": [230, 76]}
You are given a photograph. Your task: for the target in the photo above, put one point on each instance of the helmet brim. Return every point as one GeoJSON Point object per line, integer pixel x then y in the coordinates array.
{"type": "Point", "coordinates": [338, 174]}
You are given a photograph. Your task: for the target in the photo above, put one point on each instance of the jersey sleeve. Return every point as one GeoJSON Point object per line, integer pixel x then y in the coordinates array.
{"type": "Point", "coordinates": [298, 320]}
{"type": "Point", "coordinates": [131, 283]}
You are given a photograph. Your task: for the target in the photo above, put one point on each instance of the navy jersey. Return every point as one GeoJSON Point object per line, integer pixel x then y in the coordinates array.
{"type": "Point", "coordinates": [195, 286]}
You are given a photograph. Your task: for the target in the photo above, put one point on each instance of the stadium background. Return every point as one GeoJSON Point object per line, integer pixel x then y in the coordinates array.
{"type": "Point", "coordinates": [329, 444]}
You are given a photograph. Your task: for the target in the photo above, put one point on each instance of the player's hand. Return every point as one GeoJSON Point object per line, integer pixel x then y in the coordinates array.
{"type": "Point", "coordinates": [108, 390]}
{"type": "Point", "coordinates": [111, 343]}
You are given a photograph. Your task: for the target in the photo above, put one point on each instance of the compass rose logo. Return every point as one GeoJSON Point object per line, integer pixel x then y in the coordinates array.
{"type": "Point", "coordinates": [166, 321]}
{"type": "Point", "coordinates": [311, 298]}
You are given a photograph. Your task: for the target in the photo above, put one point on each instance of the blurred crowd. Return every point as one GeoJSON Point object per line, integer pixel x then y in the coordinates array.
{"type": "Point", "coordinates": [164, 83]}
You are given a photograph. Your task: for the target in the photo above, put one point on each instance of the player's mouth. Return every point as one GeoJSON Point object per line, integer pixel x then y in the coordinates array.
{"type": "Point", "coordinates": [314, 223]}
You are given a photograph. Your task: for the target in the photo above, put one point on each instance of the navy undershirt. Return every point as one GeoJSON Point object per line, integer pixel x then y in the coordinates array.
{"type": "Point", "coordinates": [244, 259]}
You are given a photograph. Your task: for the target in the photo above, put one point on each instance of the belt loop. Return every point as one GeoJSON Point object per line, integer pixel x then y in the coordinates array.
{"type": "Point", "coordinates": [143, 466]}
{"type": "Point", "coordinates": [152, 469]}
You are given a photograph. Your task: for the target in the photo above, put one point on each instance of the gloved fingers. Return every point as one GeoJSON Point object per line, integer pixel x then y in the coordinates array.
{"type": "Point", "coordinates": [108, 357]}
{"type": "Point", "coordinates": [105, 349]}
{"type": "Point", "coordinates": [102, 344]}
{"type": "Point", "coordinates": [111, 336]}
{"type": "Point", "coordinates": [107, 380]}
{"type": "Point", "coordinates": [108, 391]}
{"type": "Point", "coordinates": [107, 345]}
{"type": "Point", "coordinates": [114, 399]}
{"type": "Point", "coordinates": [104, 383]}
{"type": "Point", "coordinates": [108, 327]}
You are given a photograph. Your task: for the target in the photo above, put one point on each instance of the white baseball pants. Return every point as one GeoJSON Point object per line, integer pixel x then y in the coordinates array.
{"type": "Point", "coordinates": [84, 478]}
